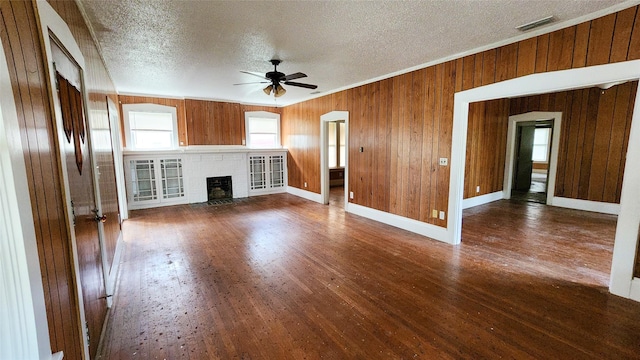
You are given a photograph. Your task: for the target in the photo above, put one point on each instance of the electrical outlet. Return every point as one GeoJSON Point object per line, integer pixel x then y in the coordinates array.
{"type": "Point", "coordinates": [444, 161]}
{"type": "Point", "coordinates": [478, 188]}
{"type": "Point", "coordinates": [434, 213]}
{"type": "Point", "coordinates": [305, 184]}
{"type": "Point", "coordinates": [441, 215]}
{"type": "Point", "coordinates": [351, 195]}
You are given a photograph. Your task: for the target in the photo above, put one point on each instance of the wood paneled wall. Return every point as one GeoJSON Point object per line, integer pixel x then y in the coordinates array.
{"type": "Point", "coordinates": [486, 147]}
{"type": "Point", "coordinates": [22, 46]}
{"type": "Point", "coordinates": [99, 87]}
{"type": "Point", "coordinates": [202, 122]}
{"type": "Point", "coordinates": [21, 43]}
{"type": "Point", "coordinates": [418, 107]}
{"type": "Point", "coordinates": [593, 139]}
{"type": "Point", "coordinates": [214, 123]}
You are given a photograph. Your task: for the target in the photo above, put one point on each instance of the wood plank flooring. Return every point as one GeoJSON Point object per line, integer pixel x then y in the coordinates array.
{"type": "Point", "coordinates": [279, 277]}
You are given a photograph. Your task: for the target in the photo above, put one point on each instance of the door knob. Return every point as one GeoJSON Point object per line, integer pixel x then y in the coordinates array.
{"type": "Point", "coordinates": [101, 219]}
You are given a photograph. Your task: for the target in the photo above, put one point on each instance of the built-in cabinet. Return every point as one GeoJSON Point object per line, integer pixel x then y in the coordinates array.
{"type": "Point", "coordinates": [180, 176]}
{"type": "Point", "coordinates": [154, 181]}
{"type": "Point", "coordinates": [267, 173]}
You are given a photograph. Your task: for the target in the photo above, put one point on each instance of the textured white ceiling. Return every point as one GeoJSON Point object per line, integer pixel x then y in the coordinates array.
{"type": "Point", "coordinates": [196, 49]}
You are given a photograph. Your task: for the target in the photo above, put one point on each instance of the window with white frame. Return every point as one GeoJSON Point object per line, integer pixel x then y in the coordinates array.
{"type": "Point", "coordinates": [150, 127]}
{"type": "Point", "coordinates": [541, 139]}
{"type": "Point", "coordinates": [262, 129]}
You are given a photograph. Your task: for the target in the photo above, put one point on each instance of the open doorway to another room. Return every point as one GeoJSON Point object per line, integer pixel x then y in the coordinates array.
{"type": "Point", "coordinates": [334, 158]}
{"type": "Point", "coordinates": [531, 170]}
{"type": "Point", "coordinates": [566, 149]}
{"type": "Point", "coordinates": [336, 150]}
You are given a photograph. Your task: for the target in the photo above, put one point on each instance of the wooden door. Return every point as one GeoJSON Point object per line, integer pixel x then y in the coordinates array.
{"type": "Point", "coordinates": [524, 163]}
{"type": "Point", "coordinates": [74, 152]}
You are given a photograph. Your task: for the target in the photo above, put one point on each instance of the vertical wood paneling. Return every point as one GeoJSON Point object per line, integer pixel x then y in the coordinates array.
{"type": "Point", "coordinates": [426, 168]}
{"type": "Point", "coordinates": [581, 44]}
{"type": "Point", "coordinates": [634, 42]}
{"type": "Point", "coordinates": [100, 86]}
{"type": "Point", "coordinates": [561, 49]}
{"type": "Point", "coordinates": [527, 56]}
{"type": "Point", "coordinates": [202, 122]}
{"type": "Point", "coordinates": [416, 128]}
{"type": "Point", "coordinates": [600, 38]}
{"type": "Point", "coordinates": [20, 40]}
{"type": "Point", "coordinates": [593, 140]}
{"type": "Point", "coordinates": [542, 53]}
{"type": "Point", "coordinates": [622, 35]}
{"type": "Point", "coordinates": [593, 42]}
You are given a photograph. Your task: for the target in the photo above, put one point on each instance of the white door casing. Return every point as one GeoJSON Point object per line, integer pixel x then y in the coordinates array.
{"type": "Point", "coordinates": [324, 156]}
{"type": "Point", "coordinates": [629, 218]}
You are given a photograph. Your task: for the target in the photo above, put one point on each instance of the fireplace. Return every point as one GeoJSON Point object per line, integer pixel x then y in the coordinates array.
{"type": "Point", "coordinates": [219, 188]}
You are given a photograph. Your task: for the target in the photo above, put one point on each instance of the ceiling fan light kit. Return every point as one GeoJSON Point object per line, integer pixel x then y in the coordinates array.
{"type": "Point", "coordinates": [275, 78]}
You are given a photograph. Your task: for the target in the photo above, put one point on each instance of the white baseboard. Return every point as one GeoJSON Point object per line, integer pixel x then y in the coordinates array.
{"type": "Point", "coordinates": [482, 199]}
{"type": "Point", "coordinates": [415, 226]}
{"type": "Point", "coordinates": [304, 194]}
{"type": "Point", "coordinates": [57, 356]}
{"type": "Point", "coordinates": [586, 205]}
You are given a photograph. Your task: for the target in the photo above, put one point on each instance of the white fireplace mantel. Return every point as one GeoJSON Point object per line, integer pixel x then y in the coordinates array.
{"type": "Point", "coordinates": [198, 164]}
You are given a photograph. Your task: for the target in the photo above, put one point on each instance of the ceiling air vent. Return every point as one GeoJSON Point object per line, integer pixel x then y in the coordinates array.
{"type": "Point", "coordinates": [536, 23]}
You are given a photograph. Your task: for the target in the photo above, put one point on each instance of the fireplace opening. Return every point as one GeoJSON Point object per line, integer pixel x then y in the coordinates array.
{"type": "Point", "coordinates": [219, 188]}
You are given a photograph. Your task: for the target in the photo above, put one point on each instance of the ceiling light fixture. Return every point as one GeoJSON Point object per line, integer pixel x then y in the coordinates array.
{"type": "Point", "coordinates": [536, 23]}
{"type": "Point", "coordinates": [268, 89]}
{"type": "Point", "coordinates": [279, 91]}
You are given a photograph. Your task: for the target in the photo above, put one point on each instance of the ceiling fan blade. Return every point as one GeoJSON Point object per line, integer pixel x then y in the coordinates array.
{"type": "Point", "coordinates": [297, 75]}
{"type": "Point", "coordinates": [255, 82]}
{"type": "Point", "coordinates": [260, 75]}
{"type": "Point", "coordinates": [308, 86]}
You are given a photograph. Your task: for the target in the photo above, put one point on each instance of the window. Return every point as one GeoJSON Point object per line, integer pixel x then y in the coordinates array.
{"type": "Point", "coordinates": [541, 139]}
{"type": "Point", "coordinates": [262, 129]}
{"type": "Point", "coordinates": [337, 144]}
{"type": "Point", "coordinates": [150, 127]}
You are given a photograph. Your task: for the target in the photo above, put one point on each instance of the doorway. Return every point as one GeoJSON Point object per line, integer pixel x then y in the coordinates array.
{"type": "Point", "coordinates": [622, 282]}
{"type": "Point", "coordinates": [532, 154]}
{"type": "Point", "coordinates": [83, 203]}
{"type": "Point", "coordinates": [334, 158]}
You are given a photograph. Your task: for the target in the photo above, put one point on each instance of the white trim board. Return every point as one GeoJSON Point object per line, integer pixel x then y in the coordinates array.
{"type": "Point", "coordinates": [482, 199]}
{"type": "Point", "coordinates": [509, 165]}
{"type": "Point", "coordinates": [304, 194]}
{"type": "Point", "coordinates": [415, 226]}
{"type": "Point", "coordinates": [586, 205]}
{"type": "Point", "coordinates": [629, 217]}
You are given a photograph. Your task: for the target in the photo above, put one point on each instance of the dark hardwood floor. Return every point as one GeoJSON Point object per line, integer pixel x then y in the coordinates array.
{"type": "Point", "coordinates": [279, 277]}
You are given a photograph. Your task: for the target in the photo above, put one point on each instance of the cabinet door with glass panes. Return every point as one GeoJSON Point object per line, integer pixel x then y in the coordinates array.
{"type": "Point", "coordinates": [154, 182]}
{"type": "Point", "coordinates": [267, 173]}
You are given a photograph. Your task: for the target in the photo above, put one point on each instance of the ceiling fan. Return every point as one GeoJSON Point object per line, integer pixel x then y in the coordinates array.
{"type": "Point", "coordinates": [274, 78]}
